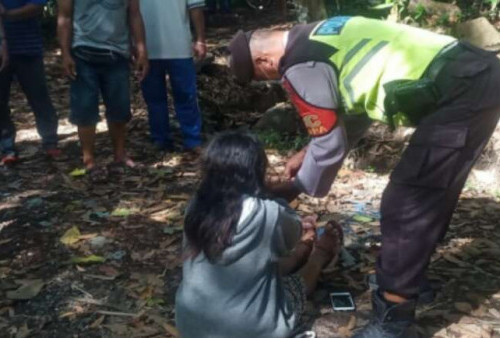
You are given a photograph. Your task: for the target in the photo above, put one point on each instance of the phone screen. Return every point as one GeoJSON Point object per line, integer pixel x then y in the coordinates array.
{"type": "Point", "coordinates": [342, 302]}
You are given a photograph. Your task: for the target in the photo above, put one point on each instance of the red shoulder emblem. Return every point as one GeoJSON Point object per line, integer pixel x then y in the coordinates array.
{"type": "Point", "coordinates": [318, 121]}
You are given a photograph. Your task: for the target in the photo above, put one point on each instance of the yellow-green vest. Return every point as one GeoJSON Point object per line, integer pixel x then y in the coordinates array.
{"type": "Point", "coordinates": [371, 53]}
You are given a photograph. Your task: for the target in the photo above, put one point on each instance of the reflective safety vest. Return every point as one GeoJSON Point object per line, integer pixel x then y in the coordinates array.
{"type": "Point", "coordinates": [369, 53]}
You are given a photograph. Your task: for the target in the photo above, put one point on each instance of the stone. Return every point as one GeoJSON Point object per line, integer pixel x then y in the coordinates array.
{"type": "Point", "coordinates": [282, 119]}
{"type": "Point", "coordinates": [479, 32]}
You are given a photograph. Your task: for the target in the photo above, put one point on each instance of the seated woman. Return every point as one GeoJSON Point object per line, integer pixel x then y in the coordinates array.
{"type": "Point", "coordinates": [240, 248]}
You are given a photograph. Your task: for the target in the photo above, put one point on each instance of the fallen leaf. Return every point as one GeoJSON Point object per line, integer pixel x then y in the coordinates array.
{"type": "Point", "coordinates": [109, 270]}
{"type": "Point", "coordinates": [78, 172]}
{"type": "Point", "coordinates": [71, 236]}
{"type": "Point", "coordinates": [29, 289]}
{"type": "Point", "coordinates": [5, 241]}
{"type": "Point", "coordinates": [123, 212]}
{"type": "Point", "coordinates": [97, 322]}
{"type": "Point", "coordinates": [362, 218]}
{"type": "Point", "coordinates": [88, 259]}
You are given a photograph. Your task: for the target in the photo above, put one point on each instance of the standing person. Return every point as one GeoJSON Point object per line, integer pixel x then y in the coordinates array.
{"type": "Point", "coordinates": [375, 70]}
{"type": "Point", "coordinates": [24, 37]}
{"type": "Point", "coordinates": [170, 50]}
{"type": "Point", "coordinates": [95, 43]}
{"type": "Point", "coordinates": [4, 54]}
{"type": "Point", "coordinates": [241, 249]}
{"type": "Point", "coordinates": [224, 6]}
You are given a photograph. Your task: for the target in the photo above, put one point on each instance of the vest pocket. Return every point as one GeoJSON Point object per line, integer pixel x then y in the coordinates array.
{"type": "Point", "coordinates": [431, 159]}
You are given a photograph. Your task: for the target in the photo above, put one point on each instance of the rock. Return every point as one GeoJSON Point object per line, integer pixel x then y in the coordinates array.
{"type": "Point", "coordinates": [479, 32]}
{"type": "Point", "coordinates": [281, 119]}
{"type": "Point", "coordinates": [265, 95]}
{"type": "Point", "coordinates": [98, 242]}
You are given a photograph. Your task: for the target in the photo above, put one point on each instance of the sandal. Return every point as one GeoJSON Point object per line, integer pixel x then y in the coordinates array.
{"type": "Point", "coordinates": [10, 159]}
{"type": "Point", "coordinates": [55, 154]}
{"type": "Point", "coordinates": [121, 168]}
{"type": "Point", "coordinates": [97, 174]}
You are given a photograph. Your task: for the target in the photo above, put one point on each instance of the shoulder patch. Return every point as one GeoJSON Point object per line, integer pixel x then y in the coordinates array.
{"type": "Point", "coordinates": [332, 26]}
{"type": "Point", "coordinates": [318, 121]}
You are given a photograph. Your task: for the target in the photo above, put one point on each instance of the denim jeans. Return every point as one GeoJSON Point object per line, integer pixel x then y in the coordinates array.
{"type": "Point", "coordinates": [29, 72]}
{"type": "Point", "coordinates": [182, 74]}
{"type": "Point", "coordinates": [112, 81]}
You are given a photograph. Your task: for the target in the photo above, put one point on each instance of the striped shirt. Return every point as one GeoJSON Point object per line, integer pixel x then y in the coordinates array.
{"type": "Point", "coordinates": [24, 37]}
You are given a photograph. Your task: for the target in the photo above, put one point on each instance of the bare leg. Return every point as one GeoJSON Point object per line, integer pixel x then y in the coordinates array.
{"type": "Point", "coordinates": [87, 139]}
{"type": "Point", "coordinates": [300, 255]}
{"type": "Point", "coordinates": [325, 249]}
{"type": "Point", "coordinates": [296, 260]}
{"type": "Point", "coordinates": [118, 132]}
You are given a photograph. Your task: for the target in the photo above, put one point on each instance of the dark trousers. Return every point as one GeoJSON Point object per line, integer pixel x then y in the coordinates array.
{"type": "Point", "coordinates": [224, 5]}
{"type": "Point", "coordinates": [182, 74]}
{"type": "Point", "coordinates": [29, 72]}
{"type": "Point", "coordinates": [424, 188]}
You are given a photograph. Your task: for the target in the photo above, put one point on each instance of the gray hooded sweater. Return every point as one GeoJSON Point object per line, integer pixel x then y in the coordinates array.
{"type": "Point", "coordinates": [241, 296]}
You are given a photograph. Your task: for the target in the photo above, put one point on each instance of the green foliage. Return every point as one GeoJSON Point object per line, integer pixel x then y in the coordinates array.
{"type": "Point", "coordinates": [282, 142]}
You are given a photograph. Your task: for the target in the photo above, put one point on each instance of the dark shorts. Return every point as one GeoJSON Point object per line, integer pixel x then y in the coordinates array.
{"type": "Point", "coordinates": [111, 80]}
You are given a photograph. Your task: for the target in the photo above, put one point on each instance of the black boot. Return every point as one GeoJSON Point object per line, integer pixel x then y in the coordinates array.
{"type": "Point", "coordinates": [426, 295]}
{"type": "Point", "coordinates": [389, 320]}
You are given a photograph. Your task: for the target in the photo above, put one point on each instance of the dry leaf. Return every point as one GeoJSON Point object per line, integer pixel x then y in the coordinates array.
{"type": "Point", "coordinates": [28, 290]}
{"type": "Point", "coordinates": [71, 236]}
{"type": "Point", "coordinates": [97, 322]}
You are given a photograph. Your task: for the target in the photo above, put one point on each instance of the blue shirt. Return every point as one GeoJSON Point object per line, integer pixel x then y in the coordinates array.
{"type": "Point", "coordinates": [24, 37]}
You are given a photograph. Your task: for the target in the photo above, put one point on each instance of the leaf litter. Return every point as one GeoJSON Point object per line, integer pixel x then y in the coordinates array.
{"type": "Point", "coordinates": [125, 283]}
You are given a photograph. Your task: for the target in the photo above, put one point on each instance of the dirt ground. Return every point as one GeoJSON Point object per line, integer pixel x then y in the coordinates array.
{"type": "Point", "coordinates": [82, 260]}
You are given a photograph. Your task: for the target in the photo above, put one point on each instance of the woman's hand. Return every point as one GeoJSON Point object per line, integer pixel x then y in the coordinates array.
{"type": "Point", "coordinates": [309, 229]}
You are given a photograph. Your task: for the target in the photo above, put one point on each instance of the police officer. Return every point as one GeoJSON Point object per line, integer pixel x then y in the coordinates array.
{"type": "Point", "coordinates": [345, 72]}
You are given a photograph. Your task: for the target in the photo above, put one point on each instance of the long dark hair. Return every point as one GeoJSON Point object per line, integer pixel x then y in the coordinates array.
{"type": "Point", "coordinates": [233, 166]}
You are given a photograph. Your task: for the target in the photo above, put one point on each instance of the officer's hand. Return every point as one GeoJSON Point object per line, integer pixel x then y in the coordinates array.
{"type": "Point", "coordinates": [293, 165]}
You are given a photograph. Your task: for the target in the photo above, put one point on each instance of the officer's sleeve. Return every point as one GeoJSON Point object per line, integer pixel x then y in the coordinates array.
{"type": "Point", "coordinates": [313, 89]}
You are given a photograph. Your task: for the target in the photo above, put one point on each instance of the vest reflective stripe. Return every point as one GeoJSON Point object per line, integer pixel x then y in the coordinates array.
{"type": "Point", "coordinates": [359, 65]}
{"type": "Point", "coordinates": [371, 53]}
{"type": "Point", "coordinates": [353, 51]}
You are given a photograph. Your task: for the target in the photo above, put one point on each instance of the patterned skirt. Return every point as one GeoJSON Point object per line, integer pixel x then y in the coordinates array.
{"type": "Point", "coordinates": [295, 293]}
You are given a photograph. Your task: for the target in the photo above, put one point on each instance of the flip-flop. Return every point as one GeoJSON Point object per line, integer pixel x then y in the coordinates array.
{"type": "Point", "coordinates": [121, 168]}
{"type": "Point", "coordinates": [10, 159]}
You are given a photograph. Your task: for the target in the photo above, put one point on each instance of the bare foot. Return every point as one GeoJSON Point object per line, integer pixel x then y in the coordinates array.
{"type": "Point", "coordinates": [327, 247]}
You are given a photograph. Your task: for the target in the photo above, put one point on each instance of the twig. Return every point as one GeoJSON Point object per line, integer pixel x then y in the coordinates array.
{"type": "Point", "coordinates": [89, 301]}
{"type": "Point", "coordinates": [120, 314]}
{"type": "Point", "coordinates": [76, 287]}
